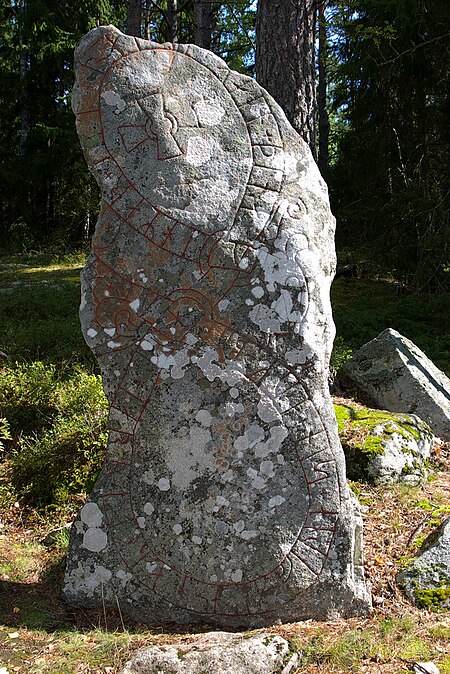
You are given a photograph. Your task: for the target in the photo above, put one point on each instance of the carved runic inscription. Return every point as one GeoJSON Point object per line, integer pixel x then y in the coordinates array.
{"type": "Point", "coordinates": [206, 303]}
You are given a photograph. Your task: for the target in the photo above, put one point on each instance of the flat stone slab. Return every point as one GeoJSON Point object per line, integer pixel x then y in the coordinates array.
{"type": "Point", "coordinates": [426, 580]}
{"type": "Point", "coordinates": [205, 299]}
{"type": "Point", "coordinates": [215, 653]}
{"type": "Point", "coordinates": [398, 376]}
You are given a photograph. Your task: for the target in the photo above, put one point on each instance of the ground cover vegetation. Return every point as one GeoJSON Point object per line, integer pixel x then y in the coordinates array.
{"type": "Point", "coordinates": [52, 430]}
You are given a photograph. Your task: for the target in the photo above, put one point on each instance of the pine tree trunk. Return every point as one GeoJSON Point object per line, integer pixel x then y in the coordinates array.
{"type": "Point", "coordinates": [322, 112]}
{"type": "Point", "coordinates": [285, 60]}
{"type": "Point", "coordinates": [134, 16]}
{"type": "Point", "coordinates": [147, 16]}
{"type": "Point", "coordinates": [24, 65]}
{"type": "Point", "coordinates": [203, 23]}
{"type": "Point", "coordinates": [172, 21]}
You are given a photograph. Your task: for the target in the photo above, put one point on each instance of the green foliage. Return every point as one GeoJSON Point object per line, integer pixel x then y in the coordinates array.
{"type": "Point", "coordinates": [390, 175]}
{"type": "Point", "coordinates": [390, 638]}
{"type": "Point", "coordinates": [4, 432]}
{"type": "Point", "coordinates": [39, 302]}
{"type": "Point", "coordinates": [340, 354]}
{"type": "Point", "coordinates": [58, 423]}
{"type": "Point", "coordinates": [234, 39]}
{"type": "Point", "coordinates": [46, 191]}
{"type": "Point", "coordinates": [364, 307]}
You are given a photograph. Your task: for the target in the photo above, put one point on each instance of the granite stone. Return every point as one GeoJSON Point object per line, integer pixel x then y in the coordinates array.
{"type": "Point", "coordinates": [396, 375]}
{"type": "Point", "coordinates": [214, 653]}
{"type": "Point", "coordinates": [205, 300]}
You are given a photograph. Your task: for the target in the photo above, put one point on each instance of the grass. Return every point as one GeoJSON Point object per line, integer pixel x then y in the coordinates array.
{"type": "Point", "coordinates": [39, 299]}
{"type": "Point", "coordinates": [364, 307]}
{"type": "Point", "coordinates": [383, 640]}
{"type": "Point", "coordinates": [47, 373]}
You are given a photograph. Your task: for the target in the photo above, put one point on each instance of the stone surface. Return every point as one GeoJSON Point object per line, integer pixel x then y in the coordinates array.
{"type": "Point", "coordinates": [213, 653]}
{"type": "Point", "coordinates": [384, 447]}
{"type": "Point", "coordinates": [205, 299]}
{"type": "Point", "coordinates": [397, 376]}
{"type": "Point", "coordinates": [426, 580]}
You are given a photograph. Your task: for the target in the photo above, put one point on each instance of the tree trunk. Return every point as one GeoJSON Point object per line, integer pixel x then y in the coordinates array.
{"type": "Point", "coordinates": [285, 60]}
{"type": "Point", "coordinates": [134, 16]}
{"type": "Point", "coordinates": [203, 23]}
{"type": "Point", "coordinates": [24, 65]}
{"type": "Point", "coordinates": [172, 21]}
{"type": "Point", "coordinates": [322, 112]}
{"type": "Point", "coordinates": [147, 16]}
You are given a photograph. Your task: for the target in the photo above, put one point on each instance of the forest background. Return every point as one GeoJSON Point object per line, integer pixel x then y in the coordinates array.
{"type": "Point", "coordinates": [379, 105]}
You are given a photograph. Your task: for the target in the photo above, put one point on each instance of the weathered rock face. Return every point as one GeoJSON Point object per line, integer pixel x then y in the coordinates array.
{"type": "Point", "coordinates": [206, 302]}
{"type": "Point", "coordinates": [426, 581]}
{"type": "Point", "coordinates": [398, 376]}
{"type": "Point", "coordinates": [213, 653]}
{"type": "Point", "coordinates": [383, 447]}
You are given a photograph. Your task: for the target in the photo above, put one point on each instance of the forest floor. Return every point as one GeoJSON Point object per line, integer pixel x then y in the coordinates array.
{"type": "Point", "coordinates": [39, 633]}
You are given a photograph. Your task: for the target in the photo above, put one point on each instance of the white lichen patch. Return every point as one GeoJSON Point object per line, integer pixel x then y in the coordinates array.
{"type": "Point", "coordinates": [199, 150]}
{"type": "Point", "coordinates": [237, 575]}
{"type": "Point", "coordinates": [113, 345]}
{"type": "Point", "coordinates": [276, 501]}
{"type": "Point", "coordinates": [209, 112]}
{"type": "Point", "coordinates": [84, 581]}
{"type": "Point", "coordinates": [95, 539]}
{"type": "Point", "coordinates": [257, 291]}
{"type": "Point", "coordinates": [163, 484]}
{"type": "Point", "coordinates": [91, 514]}
{"type": "Point", "coordinates": [204, 418]}
{"type": "Point", "coordinates": [123, 576]}
{"type": "Point", "coordinates": [114, 99]}
{"type": "Point", "coordinates": [187, 457]}
{"type": "Point", "coordinates": [135, 304]}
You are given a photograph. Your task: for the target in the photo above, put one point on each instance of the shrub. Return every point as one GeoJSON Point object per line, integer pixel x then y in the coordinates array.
{"type": "Point", "coordinates": [58, 425]}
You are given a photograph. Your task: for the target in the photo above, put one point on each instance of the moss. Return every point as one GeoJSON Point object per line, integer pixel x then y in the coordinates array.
{"type": "Point", "coordinates": [356, 426]}
{"type": "Point", "coordinates": [432, 598]}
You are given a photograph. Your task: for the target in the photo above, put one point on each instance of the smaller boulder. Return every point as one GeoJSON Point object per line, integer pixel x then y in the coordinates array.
{"type": "Point", "coordinates": [426, 580]}
{"type": "Point", "coordinates": [396, 375]}
{"type": "Point", "coordinates": [383, 448]}
{"type": "Point", "coordinates": [213, 653]}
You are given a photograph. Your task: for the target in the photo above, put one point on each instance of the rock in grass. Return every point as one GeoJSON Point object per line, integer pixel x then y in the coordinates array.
{"type": "Point", "coordinates": [426, 580]}
{"type": "Point", "coordinates": [223, 497]}
{"type": "Point", "coordinates": [382, 447]}
{"type": "Point", "coordinates": [397, 376]}
{"type": "Point", "coordinates": [213, 653]}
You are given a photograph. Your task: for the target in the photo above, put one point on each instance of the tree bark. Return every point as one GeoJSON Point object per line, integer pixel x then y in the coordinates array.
{"type": "Point", "coordinates": [24, 66]}
{"type": "Point", "coordinates": [203, 23]}
{"type": "Point", "coordinates": [172, 21]}
{"type": "Point", "coordinates": [322, 112]}
{"type": "Point", "coordinates": [285, 60]}
{"type": "Point", "coordinates": [134, 17]}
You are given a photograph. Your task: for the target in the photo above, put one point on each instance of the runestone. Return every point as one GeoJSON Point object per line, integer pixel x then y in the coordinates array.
{"type": "Point", "coordinates": [205, 300]}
